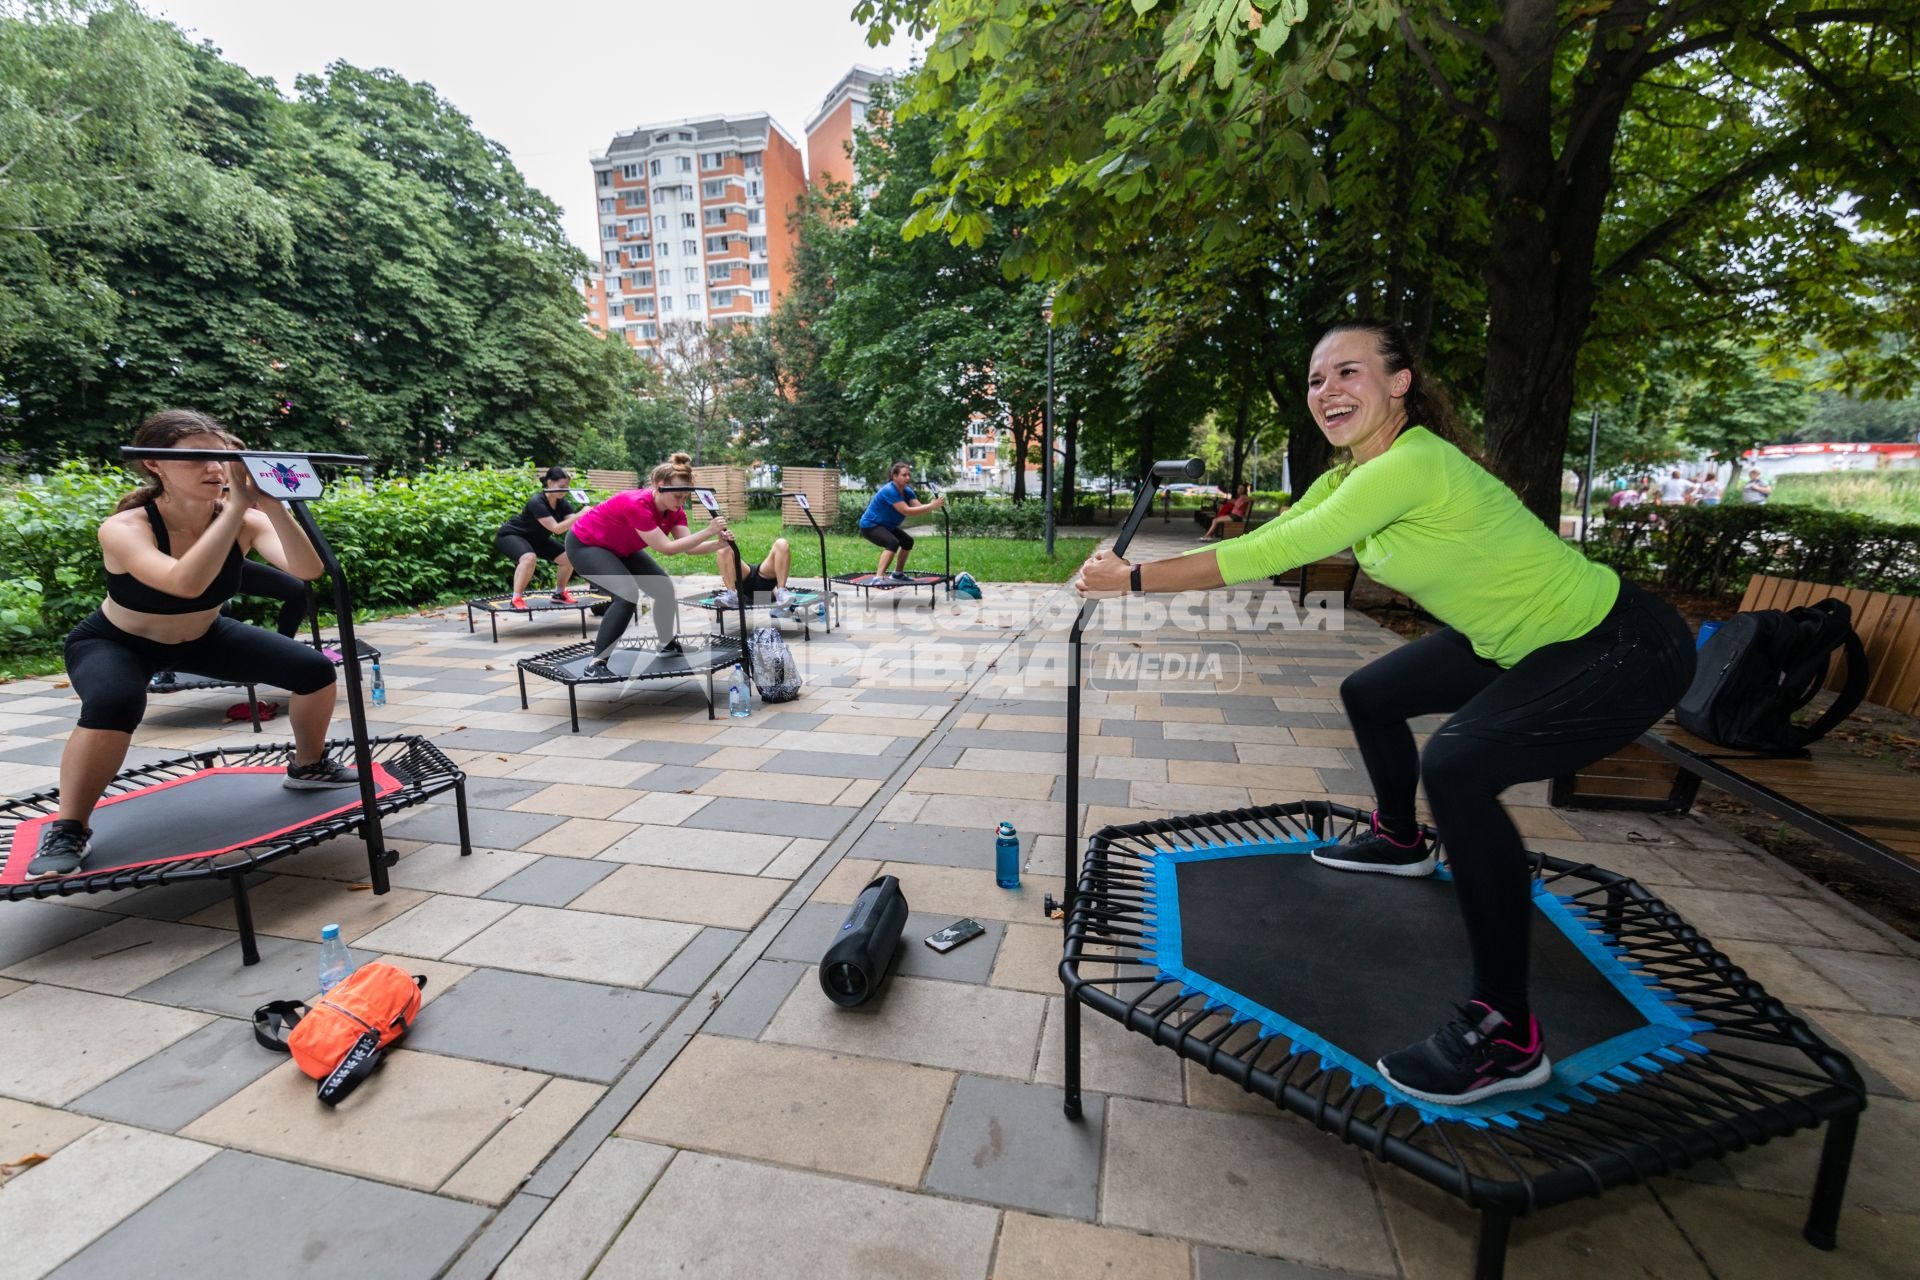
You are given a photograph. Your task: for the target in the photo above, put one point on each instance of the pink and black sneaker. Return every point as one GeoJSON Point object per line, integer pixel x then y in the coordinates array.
{"type": "Point", "coordinates": [1475, 1056]}
{"type": "Point", "coordinates": [1379, 852]}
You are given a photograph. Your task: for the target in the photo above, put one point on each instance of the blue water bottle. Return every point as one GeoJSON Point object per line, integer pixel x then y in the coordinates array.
{"type": "Point", "coordinates": [1006, 857]}
{"type": "Point", "coordinates": [379, 686]}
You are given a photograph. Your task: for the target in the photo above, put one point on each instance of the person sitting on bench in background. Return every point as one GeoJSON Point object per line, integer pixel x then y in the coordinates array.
{"type": "Point", "coordinates": [1236, 508]}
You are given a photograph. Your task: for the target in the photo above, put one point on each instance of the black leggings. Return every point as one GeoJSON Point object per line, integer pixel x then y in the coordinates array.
{"type": "Point", "coordinates": [110, 668]}
{"type": "Point", "coordinates": [1559, 708]}
{"type": "Point", "coordinates": [257, 579]}
{"type": "Point", "coordinates": [626, 579]}
{"type": "Point", "coordinates": [886, 538]}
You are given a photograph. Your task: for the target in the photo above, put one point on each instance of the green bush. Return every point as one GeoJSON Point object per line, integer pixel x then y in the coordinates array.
{"type": "Point", "coordinates": [20, 610]}
{"type": "Point", "coordinates": [972, 516]}
{"type": "Point", "coordinates": [1716, 549]}
{"type": "Point", "coordinates": [49, 535]}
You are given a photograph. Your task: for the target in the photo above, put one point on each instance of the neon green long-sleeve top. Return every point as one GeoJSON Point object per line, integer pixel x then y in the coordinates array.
{"type": "Point", "coordinates": [1426, 520]}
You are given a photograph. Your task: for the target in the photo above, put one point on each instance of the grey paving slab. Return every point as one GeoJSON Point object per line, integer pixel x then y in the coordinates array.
{"type": "Point", "coordinates": [830, 764]}
{"type": "Point", "coordinates": [35, 753]}
{"type": "Point", "coordinates": [697, 962]}
{"type": "Point", "coordinates": [1252, 712]}
{"type": "Point", "coordinates": [935, 845]}
{"type": "Point", "coordinates": [245, 1215]}
{"type": "Point", "coordinates": [770, 817]}
{"type": "Point", "coordinates": [491, 828]}
{"type": "Point", "coordinates": [183, 1081]}
{"type": "Point", "coordinates": [812, 929]}
{"type": "Point", "coordinates": [502, 740]}
{"type": "Point", "coordinates": [791, 720]}
{"type": "Point", "coordinates": [555, 1025]}
{"type": "Point", "coordinates": [1009, 739]}
{"type": "Point", "coordinates": [178, 901]}
{"type": "Point", "coordinates": [1131, 729]}
{"type": "Point", "coordinates": [1096, 790]}
{"type": "Point", "coordinates": [677, 777]}
{"type": "Point", "coordinates": [1017, 707]}
{"type": "Point", "coordinates": [551, 882]}
{"type": "Point", "coordinates": [942, 757]}
{"type": "Point", "coordinates": [1348, 782]}
{"type": "Point", "coordinates": [31, 927]}
{"type": "Point", "coordinates": [750, 1006]}
{"type": "Point", "coordinates": [665, 752]}
{"type": "Point", "coordinates": [220, 983]}
{"type": "Point", "coordinates": [915, 697]}
{"type": "Point", "coordinates": [494, 793]}
{"type": "Point", "coordinates": [1008, 1143]}
{"type": "Point", "coordinates": [1210, 1263]}
{"type": "Point", "coordinates": [1172, 749]}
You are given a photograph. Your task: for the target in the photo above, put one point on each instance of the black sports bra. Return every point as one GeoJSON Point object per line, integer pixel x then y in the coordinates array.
{"type": "Point", "coordinates": [129, 592]}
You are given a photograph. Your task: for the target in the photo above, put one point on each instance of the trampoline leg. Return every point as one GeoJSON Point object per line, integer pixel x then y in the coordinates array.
{"type": "Point", "coordinates": [243, 917]}
{"type": "Point", "coordinates": [583, 624]}
{"type": "Point", "coordinates": [469, 619]}
{"type": "Point", "coordinates": [523, 689]}
{"type": "Point", "coordinates": [253, 706]}
{"type": "Point", "coordinates": [1071, 1038]}
{"type": "Point", "coordinates": [1830, 1184]}
{"type": "Point", "coordinates": [573, 706]}
{"type": "Point", "coordinates": [460, 815]}
{"type": "Point", "coordinates": [1490, 1255]}
{"type": "Point", "coordinates": [493, 620]}
{"type": "Point", "coordinates": [709, 694]}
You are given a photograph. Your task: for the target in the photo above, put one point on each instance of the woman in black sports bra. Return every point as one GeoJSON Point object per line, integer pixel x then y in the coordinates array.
{"type": "Point", "coordinates": [174, 551]}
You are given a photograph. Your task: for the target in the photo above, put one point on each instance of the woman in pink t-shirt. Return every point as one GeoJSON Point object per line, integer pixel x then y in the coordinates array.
{"type": "Point", "coordinates": [609, 545]}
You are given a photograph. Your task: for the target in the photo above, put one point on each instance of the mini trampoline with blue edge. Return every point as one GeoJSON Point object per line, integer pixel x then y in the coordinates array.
{"type": "Point", "coordinates": [1210, 935]}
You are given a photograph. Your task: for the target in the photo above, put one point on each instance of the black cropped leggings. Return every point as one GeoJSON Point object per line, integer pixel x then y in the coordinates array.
{"type": "Point", "coordinates": [257, 579]}
{"type": "Point", "coordinates": [887, 537]}
{"type": "Point", "coordinates": [626, 579]}
{"type": "Point", "coordinates": [110, 668]}
{"type": "Point", "coordinates": [1559, 708]}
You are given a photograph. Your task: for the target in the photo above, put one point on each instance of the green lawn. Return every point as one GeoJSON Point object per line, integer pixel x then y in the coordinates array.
{"type": "Point", "coordinates": [1884, 495]}
{"type": "Point", "coordinates": [988, 559]}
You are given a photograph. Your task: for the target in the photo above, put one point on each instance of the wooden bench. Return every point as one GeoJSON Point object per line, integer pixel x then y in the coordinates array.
{"type": "Point", "coordinates": [1867, 808]}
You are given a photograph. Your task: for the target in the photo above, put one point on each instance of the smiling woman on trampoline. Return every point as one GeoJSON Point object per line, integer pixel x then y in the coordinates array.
{"type": "Point", "coordinates": [174, 549]}
{"type": "Point", "coordinates": [1548, 662]}
{"type": "Point", "coordinates": [610, 543]}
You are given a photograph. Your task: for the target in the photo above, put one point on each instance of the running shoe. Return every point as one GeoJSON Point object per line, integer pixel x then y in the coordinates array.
{"type": "Point", "coordinates": [163, 679]}
{"type": "Point", "coordinates": [596, 670]}
{"type": "Point", "coordinates": [782, 597]}
{"type": "Point", "coordinates": [519, 602]}
{"type": "Point", "coordinates": [319, 776]}
{"type": "Point", "coordinates": [565, 597]}
{"type": "Point", "coordinates": [63, 847]}
{"type": "Point", "coordinates": [1475, 1056]}
{"type": "Point", "coordinates": [671, 647]}
{"type": "Point", "coordinates": [1381, 853]}
{"type": "Point", "coordinates": [899, 576]}
{"type": "Point", "coordinates": [724, 600]}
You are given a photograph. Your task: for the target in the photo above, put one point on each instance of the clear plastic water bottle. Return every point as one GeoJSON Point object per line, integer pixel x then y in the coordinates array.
{"type": "Point", "coordinates": [739, 701]}
{"type": "Point", "coordinates": [335, 963]}
{"type": "Point", "coordinates": [1006, 857]}
{"type": "Point", "coordinates": [379, 686]}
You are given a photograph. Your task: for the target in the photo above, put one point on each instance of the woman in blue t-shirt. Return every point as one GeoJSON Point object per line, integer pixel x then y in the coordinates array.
{"type": "Point", "coordinates": [881, 525]}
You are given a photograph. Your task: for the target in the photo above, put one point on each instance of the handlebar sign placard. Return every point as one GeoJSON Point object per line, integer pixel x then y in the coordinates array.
{"type": "Point", "coordinates": [708, 501]}
{"type": "Point", "coordinates": [283, 475]}
{"type": "Point", "coordinates": [801, 498]}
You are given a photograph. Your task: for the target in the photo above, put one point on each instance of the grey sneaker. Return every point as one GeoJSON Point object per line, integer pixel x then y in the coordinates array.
{"type": "Point", "coordinates": [597, 670]}
{"type": "Point", "coordinates": [898, 576]}
{"type": "Point", "coordinates": [324, 773]}
{"type": "Point", "coordinates": [725, 599]}
{"type": "Point", "coordinates": [63, 847]}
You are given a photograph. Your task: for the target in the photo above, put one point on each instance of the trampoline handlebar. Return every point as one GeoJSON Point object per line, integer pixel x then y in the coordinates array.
{"type": "Point", "coordinates": [234, 455]}
{"type": "Point", "coordinates": [1179, 469]}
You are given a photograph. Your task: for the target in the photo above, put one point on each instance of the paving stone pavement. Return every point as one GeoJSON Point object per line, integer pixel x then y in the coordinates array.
{"type": "Point", "coordinates": [627, 1066]}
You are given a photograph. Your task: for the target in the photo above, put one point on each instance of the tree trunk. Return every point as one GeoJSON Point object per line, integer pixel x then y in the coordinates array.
{"type": "Point", "coordinates": [1546, 224]}
{"type": "Point", "coordinates": [1240, 418]}
{"type": "Point", "coordinates": [1022, 435]}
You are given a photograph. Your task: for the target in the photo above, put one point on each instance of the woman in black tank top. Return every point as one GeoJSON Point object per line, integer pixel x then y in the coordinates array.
{"type": "Point", "coordinates": [174, 551]}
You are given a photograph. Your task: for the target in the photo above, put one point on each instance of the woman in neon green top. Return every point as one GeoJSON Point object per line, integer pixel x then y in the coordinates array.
{"type": "Point", "coordinates": [1547, 663]}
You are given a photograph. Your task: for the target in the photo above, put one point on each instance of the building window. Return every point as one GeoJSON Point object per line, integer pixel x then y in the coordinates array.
{"type": "Point", "coordinates": [756, 244]}
{"type": "Point", "coordinates": [753, 217]}
{"type": "Point", "coordinates": [720, 271]}
{"type": "Point", "coordinates": [648, 330]}
{"type": "Point", "coordinates": [859, 113]}
{"type": "Point", "coordinates": [611, 257]}
{"type": "Point", "coordinates": [713, 190]}
{"type": "Point", "coordinates": [642, 306]}
{"type": "Point", "coordinates": [666, 304]}
{"type": "Point", "coordinates": [638, 280]}
{"type": "Point", "coordinates": [666, 249]}
{"type": "Point", "coordinates": [636, 226]}
{"type": "Point", "coordinates": [604, 176]}
{"type": "Point", "coordinates": [609, 230]}
{"type": "Point", "coordinates": [691, 275]}
{"type": "Point", "coordinates": [758, 271]}
{"type": "Point", "coordinates": [631, 172]}
{"type": "Point", "coordinates": [762, 297]}
{"type": "Point", "coordinates": [718, 244]}
{"type": "Point", "coordinates": [688, 220]}
{"type": "Point", "coordinates": [653, 167]}
{"type": "Point", "coordinates": [639, 252]}
{"type": "Point", "coordinates": [693, 302]}
{"type": "Point", "coordinates": [686, 192]}
{"type": "Point", "coordinates": [751, 161]}
{"type": "Point", "coordinates": [608, 204]}
{"type": "Point", "coordinates": [690, 247]}
{"type": "Point", "coordinates": [723, 297]}
{"type": "Point", "coordinates": [709, 159]}
{"type": "Point", "coordinates": [616, 308]}
{"type": "Point", "coordinates": [660, 221]}
{"type": "Point", "coordinates": [683, 164]}
{"type": "Point", "coordinates": [754, 188]}
{"type": "Point", "coordinates": [718, 217]}
{"type": "Point", "coordinates": [637, 198]}
{"type": "Point", "coordinates": [686, 137]}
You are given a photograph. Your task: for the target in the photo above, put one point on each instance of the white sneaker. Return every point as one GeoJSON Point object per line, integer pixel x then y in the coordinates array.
{"type": "Point", "coordinates": [725, 600]}
{"type": "Point", "coordinates": [782, 597]}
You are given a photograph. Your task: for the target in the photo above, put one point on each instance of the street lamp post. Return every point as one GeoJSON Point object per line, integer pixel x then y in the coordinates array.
{"type": "Point", "coordinates": [1046, 431]}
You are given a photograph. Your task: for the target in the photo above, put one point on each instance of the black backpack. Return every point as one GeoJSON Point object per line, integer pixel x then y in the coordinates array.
{"type": "Point", "coordinates": [1760, 668]}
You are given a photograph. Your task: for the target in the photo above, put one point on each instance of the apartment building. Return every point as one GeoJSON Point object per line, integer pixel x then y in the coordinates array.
{"type": "Point", "coordinates": [593, 287]}
{"type": "Point", "coordinates": [693, 223]}
{"type": "Point", "coordinates": [830, 130]}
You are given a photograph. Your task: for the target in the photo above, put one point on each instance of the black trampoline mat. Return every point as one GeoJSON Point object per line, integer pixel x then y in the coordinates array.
{"type": "Point", "coordinates": [647, 664]}
{"type": "Point", "coordinates": [540, 601]}
{"type": "Point", "coordinates": [186, 681]}
{"type": "Point", "coordinates": [1370, 963]}
{"type": "Point", "coordinates": [213, 811]}
{"type": "Point", "coordinates": [800, 598]}
{"type": "Point", "coordinates": [880, 582]}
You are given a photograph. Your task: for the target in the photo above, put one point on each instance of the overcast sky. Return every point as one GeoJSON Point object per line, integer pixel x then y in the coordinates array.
{"type": "Point", "coordinates": [554, 80]}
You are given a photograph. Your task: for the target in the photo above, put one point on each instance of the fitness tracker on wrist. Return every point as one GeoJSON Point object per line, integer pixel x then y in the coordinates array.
{"type": "Point", "coordinates": [1134, 576]}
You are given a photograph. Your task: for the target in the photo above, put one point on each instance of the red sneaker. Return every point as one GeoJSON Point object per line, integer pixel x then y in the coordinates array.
{"type": "Point", "coordinates": [519, 602]}
{"type": "Point", "coordinates": [564, 597]}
